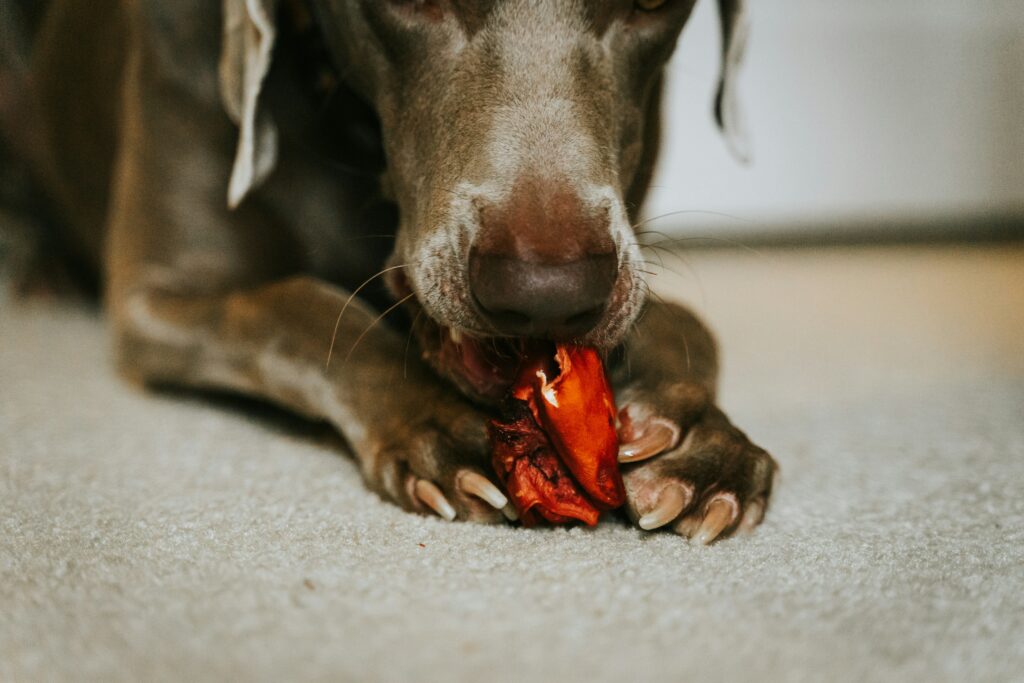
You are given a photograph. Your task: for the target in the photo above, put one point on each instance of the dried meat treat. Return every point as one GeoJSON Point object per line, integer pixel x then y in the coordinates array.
{"type": "Point", "coordinates": [537, 481]}
{"type": "Point", "coordinates": [555, 447]}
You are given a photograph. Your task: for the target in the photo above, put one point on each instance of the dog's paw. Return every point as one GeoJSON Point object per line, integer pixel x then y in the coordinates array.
{"type": "Point", "coordinates": [440, 464]}
{"type": "Point", "coordinates": [700, 477]}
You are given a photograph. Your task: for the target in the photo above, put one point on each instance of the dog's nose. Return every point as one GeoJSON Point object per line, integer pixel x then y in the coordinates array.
{"type": "Point", "coordinates": [543, 263]}
{"type": "Point", "coordinates": [526, 298]}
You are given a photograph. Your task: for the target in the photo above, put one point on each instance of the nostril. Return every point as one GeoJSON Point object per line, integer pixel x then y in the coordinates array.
{"type": "Point", "coordinates": [507, 319]}
{"type": "Point", "coordinates": [528, 298]}
{"type": "Point", "coordinates": [585, 320]}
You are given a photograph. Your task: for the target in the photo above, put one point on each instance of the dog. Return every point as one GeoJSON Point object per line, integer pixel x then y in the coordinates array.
{"type": "Point", "coordinates": [245, 175]}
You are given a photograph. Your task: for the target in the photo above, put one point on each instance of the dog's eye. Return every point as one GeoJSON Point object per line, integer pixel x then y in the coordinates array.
{"type": "Point", "coordinates": [649, 5]}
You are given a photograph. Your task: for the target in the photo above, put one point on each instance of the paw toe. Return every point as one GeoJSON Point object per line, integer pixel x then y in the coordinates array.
{"type": "Point", "coordinates": [480, 499]}
{"type": "Point", "coordinates": [475, 484]}
{"type": "Point", "coordinates": [753, 514]}
{"type": "Point", "coordinates": [430, 495]}
{"type": "Point", "coordinates": [720, 513]}
{"type": "Point", "coordinates": [670, 503]}
{"type": "Point", "coordinates": [468, 496]}
{"type": "Point", "coordinates": [718, 517]}
{"type": "Point", "coordinates": [644, 435]}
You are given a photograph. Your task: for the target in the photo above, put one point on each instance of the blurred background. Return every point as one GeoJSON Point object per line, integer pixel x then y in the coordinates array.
{"type": "Point", "coordinates": [898, 118]}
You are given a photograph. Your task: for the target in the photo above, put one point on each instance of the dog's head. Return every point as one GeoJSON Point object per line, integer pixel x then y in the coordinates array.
{"type": "Point", "coordinates": [520, 137]}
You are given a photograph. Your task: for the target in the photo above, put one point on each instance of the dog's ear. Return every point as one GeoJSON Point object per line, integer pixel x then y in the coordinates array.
{"type": "Point", "coordinates": [727, 109]}
{"type": "Point", "coordinates": [249, 34]}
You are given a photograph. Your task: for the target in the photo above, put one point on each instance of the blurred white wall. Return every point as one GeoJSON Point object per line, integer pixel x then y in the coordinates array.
{"type": "Point", "coordinates": [857, 109]}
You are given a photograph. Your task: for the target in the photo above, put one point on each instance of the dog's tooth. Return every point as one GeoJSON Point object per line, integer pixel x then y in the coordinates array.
{"type": "Point", "coordinates": [720, 513]}
{"type": "Point", "coordinates": [481, 487]}
{"type": "Point", "coordinates": [670, 503]}
{"type": "Point", "coordinates": [510, 512]}
{"type": "Point", "coordinates": [433, 498]}
{"type": "Point", "coordinates": [456, 335]}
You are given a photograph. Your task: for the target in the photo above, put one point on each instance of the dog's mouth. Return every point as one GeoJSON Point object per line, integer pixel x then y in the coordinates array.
{"type": "Point", "coordinates": [483, 365]}
{"type": "Point", "coordinates": [483, 368]}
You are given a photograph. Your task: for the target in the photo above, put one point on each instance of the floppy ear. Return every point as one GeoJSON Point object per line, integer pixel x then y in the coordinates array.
{"type": "Point", "coordinates": [735, 29]}
{"type": "Point", "coordinates": [249, 34]}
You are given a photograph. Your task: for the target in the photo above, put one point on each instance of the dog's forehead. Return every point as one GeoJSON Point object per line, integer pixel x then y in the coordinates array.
{"type": "Point", "coordinates": [411, 33]}
{"type": "Point", "coordinates": [474, 15]}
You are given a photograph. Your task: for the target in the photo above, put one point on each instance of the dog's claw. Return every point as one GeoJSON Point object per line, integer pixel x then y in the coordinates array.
{"type": "Point", "coordinates": [481, 487]}
{"type": "Point", "coordinates": [656, 438]}
{"type": "Point", "coordinates": [510, 512]}
{"type": "Point", "coordinates": [432, 497]}
{"type": "Point", "coordinates": [670, 503]}
{"type": "Point", "coordinates": [720, 513]}
{"type": "Point", "coordinates": [753, 515]}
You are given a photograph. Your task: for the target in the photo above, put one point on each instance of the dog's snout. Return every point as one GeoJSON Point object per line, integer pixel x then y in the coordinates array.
{"type": "Point", "coordinates": [543, 262]}
{"type": "Point", "coordinates": [560, 300]}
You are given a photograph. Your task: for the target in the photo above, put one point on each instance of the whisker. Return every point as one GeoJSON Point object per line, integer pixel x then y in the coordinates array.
{"type": "Point", "coordinates": [692, 212]}
{"type": "Point", "coordinates": [689, 268]}
{"type": "Point", "coordinates": [661, 261]}
{"type": "Point", "coordinates": [408, 342]}
{"type": "Point", "coordinates": [660, 266]}
{"type": "Point", "coordinates": [723, 240]}
{"type": "Point", "coordinates": [377, 320]}
{"type": "Point", "coordinates": [652, 231]}
{"type": "Point", "coordinates": [337, 323]}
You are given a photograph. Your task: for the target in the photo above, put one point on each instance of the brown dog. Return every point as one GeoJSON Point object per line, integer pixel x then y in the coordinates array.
{"type": "Point", "coordinates": [241, 173]}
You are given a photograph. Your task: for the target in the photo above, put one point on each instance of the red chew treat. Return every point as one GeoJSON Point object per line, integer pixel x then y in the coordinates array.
{"type": "Point", "coordinates": [556, 449]}
{"type": "Point", "coordinates": [537, 481]}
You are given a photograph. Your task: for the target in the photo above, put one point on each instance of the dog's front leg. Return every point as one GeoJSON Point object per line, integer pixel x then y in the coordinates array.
{"type": "Point", "coordinates": [686, 467]}
{"type": "Point", "coordinates": [199, 296]}
{"type": "Point", "coordinates": [417, 442]}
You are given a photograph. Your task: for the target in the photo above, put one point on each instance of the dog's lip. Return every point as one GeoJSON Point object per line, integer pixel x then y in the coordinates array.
{"type": "Point", "coordinates": [482, 365]}
{"type": "Point", "coordinates": [485, 367]}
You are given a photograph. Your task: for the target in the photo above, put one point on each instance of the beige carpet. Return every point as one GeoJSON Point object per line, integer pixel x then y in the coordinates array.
{"type": "Point", "coordinates": [161, 537]}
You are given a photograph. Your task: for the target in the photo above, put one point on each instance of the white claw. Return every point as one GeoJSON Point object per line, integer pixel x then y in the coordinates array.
{"type": "Point", "coordinates": [670, 503]}
{"type": "Point", "coordinates": [432, 496]}
{"type": "Point", "coordinates": [719, 514]}
{"type": "Point", "coordinates": [481, 487]}
{"type": "Point", "coordinates": [510, 512]}
{"type": "Point", "coordinates": [456, 335]}
{"type": "Point", "coordinates": [753, 515]}
{"type": "Point", "coordinates": [656, 438]}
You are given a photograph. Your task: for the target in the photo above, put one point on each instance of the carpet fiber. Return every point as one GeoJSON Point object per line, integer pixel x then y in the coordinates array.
{"type": "Point", "coordinates": [170, 537]}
